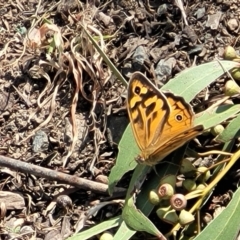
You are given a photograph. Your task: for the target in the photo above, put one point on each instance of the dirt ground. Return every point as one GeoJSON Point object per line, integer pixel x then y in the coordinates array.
{"type": "Point", "coordinates": [62, 111]}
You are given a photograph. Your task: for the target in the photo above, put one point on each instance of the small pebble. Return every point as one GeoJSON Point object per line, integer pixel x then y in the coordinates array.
{"type": "Point", "coordinates": [232, 24]}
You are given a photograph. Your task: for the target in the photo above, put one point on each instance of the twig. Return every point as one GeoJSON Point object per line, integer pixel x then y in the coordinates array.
{"type": "Point", "coordinates": [180, 5]}
{"type": "Point", "coordinates": [78, 182]}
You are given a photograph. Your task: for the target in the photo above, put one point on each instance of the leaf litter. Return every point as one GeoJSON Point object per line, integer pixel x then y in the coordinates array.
{"type": "Point", "coordinates": [53, 80]}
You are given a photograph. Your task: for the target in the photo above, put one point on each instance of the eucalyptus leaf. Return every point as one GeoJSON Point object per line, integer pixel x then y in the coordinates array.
{"type": "Point", "coordinates": [232, 131]}
{"type": "Point", "coordinates": [210, 118]}
{"type": "Point", "coordinates": [192, 80]}
{"type": "Point", "coordinates": [123, 232]}
{"type": "Point", "coordinates": [226, 224]}
{"type": "Point", "coordinates": [131, 215]}
{"type": "Point", "coordinates": [93, 231]}
{"type": "Point", "coordinates": [128, 150]}
{"type": "Point", "coordinates": [137, 220]}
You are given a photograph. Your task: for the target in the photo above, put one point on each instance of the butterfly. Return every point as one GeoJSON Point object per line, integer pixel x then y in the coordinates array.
{"type": "Point", "coordinates": [161, 121]}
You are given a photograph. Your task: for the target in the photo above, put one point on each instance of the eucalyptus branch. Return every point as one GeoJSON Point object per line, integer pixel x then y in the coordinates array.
{"type": "Point", "coordinates": [202, 195]}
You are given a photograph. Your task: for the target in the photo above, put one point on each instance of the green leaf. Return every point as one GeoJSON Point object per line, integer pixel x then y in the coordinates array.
{"type": "Point", "coordinates": [123, 232]}
{"type": "Point", "coordinates": [128, 150]}
{"type": "Point", "coordinates": [232, 131]}
{"type": "Point", "coordinates": [192, 80]}
{"type": "Point", "coordinates": [137, 220]}
{"type": "Point", "coordinates": [210, 118]}
{"type": "Point", "coordinates": [137, 178]}
{"type": "Point", "coordinates": [131, 215]}
{"type": "Point", "coordinates": [226, 224]}
{"type": "Point", "coordinates": [93, 231]}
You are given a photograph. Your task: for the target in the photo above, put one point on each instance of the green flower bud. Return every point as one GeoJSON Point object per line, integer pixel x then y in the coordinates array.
{"type": "Point", "coordinates": [153, 197]}
{"type": "Point", "coordinates": [106, 236]}
{"type": "Point", "coordinates": [218, 129]}
{"type": "Point", "coordinates": [229, 53]}
{"type": "Point", "coordinates": [235, 74]}
{"type": "Point", "coordinates": [231, 88]}
{"type": "Point", "coordinates": [185, 217]}
{"type": "Point", "coordinates": [167, 215]}
{"type": "Point", "coordinates": [204, 174]}
{"type": "Point", "coordinates": [201, 186]}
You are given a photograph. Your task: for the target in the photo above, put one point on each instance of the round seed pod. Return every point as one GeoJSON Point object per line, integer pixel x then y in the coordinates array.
{"type": "Point", "coordinates": [178, 202]}
{"type": "Point", "coordinates": [165, 191]}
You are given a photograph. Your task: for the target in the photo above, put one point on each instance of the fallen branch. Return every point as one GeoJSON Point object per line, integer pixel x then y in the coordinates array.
{"type": "Point", "coordinates": [78, 182]}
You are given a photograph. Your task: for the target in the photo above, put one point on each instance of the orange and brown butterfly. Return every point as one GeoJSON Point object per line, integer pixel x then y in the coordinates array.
{"type": "Point", "coordinates": [161, 121]}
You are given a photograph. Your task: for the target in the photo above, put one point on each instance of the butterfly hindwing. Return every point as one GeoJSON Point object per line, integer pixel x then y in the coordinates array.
{"type": "Point", "coordinates": [181, 116]}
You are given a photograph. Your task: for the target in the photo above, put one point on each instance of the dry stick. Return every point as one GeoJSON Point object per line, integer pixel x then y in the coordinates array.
{"type": "Point", "coordinates": [78, 182]}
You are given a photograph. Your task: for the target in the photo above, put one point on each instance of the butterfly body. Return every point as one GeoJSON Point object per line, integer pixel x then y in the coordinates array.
{"type": "Point", "coordinates": [161, 121]}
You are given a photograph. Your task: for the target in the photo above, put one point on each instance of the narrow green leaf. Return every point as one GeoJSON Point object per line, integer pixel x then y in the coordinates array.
{"type": "Point", "coordinates": [128, 150]}
{"type": "Point", "coordinates": [211, 118]}
{"type": "Point", "coordinates": [137, 220]}
{"type": "Point", "coordinates": [232, 131]}
{"type": "Point", "coordinates": [131, 215]}
{"type": "Point", "coordinates": [123, 232]}
{"type": "Point", "coordinates": [192, 80]}
{"type": "Point", "coordinates": [226, 224]}
{"type": "Point", "coordinates": [137, 178]}
{"type": "Point", "coordinates": [93, 231]}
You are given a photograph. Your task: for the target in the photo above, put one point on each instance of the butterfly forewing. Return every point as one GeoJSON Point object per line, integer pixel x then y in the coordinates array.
{"type": "Point", "coordinates": [144, 104]}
